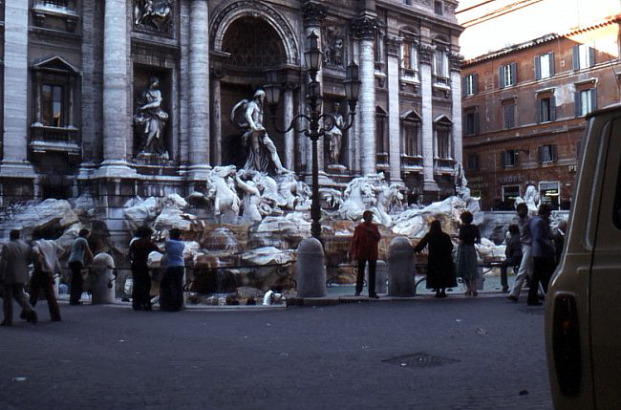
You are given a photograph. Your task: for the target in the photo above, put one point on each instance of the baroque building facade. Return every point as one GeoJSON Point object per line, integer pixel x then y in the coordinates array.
{"type": "Point", "coordinates": [125, 98]}
{"type": "Point", "coordinates": [525, 103]}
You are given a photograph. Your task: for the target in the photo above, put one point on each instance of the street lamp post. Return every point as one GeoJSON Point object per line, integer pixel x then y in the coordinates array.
{"type": "Point", "coordinates": [316, 124]}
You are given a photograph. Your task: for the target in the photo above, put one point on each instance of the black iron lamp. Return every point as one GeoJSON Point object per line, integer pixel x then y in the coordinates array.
{"type": "Point", "coordinates": [316, 123]}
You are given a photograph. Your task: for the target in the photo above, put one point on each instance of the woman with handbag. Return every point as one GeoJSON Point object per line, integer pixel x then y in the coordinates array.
{"type": "Point", "coordinates": [139, 250]}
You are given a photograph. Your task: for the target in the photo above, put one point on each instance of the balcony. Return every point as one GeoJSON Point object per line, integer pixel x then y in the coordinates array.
{"type": "Point", "coordinates": [444, 166]}
{"type": "Point", "coordinates": [59, 139]}
{"type": "Point", "coordinates": [411, 163]}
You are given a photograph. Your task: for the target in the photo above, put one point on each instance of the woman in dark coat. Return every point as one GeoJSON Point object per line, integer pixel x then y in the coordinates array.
{"type": "Point", "coordinates": [440, 267]}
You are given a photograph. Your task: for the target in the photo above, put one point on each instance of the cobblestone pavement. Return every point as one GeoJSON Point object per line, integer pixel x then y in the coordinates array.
{"type": "Point", "coordinates": [423, 353]}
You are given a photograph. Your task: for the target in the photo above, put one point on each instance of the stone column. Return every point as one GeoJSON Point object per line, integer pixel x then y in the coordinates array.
{"type": "Point", "coordinates": [216, 117]}
{"type": "Point", "coordinates": [426, 83]}
{"type": "Point", "coordinates": [456, 112]}
{"type": "Point", "coordinates": [287, 117]}
{"type": "Point", "coordinates": [365, 28]}
{"type": "Point", "coordinates": [394, 126]}
{"type": "Point", "coordinates": [15, 162]}
{"type": "Point", "coordinates": [199, 90]}
{"type": "Point", "coordinates": [353, 135]}
{"type": "Point", "coordinates": [116, 115]}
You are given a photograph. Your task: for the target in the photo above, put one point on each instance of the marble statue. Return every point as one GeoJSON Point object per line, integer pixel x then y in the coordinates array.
{"type": "Point", "coordinates": [262, 153]}
{"type": "Point", "coordinates": [223, 192]}
{"type": "Point", "coordinates": [334, 133]}
{"type": "Point", "coordinates": [531, 198]}
{"type": "Point", "coordinates": [152, 118]}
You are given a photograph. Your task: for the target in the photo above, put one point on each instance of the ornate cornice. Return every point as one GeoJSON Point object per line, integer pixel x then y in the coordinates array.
{"type": "Point", "coordinates": [456, 61]}
{"type": "Point", "coordinates": [313, 13]}
{"type": "Point", "coordinates": [365, 27]}
{"type": "Point", "coordinates": [393, 45]}
{"type": "Point", "coordinates": [425, 51]}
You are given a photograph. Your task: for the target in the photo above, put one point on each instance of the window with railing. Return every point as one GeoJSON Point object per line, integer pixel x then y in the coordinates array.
{"type": "Point", "coordinates": [55, 85]}
{"type": "Point", "coordinates": [409, 58]}
{"type": "Point", "coordinates": [381, 130]}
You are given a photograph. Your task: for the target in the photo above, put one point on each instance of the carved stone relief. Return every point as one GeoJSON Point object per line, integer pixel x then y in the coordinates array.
{"type": "Point", "coordinates": [154, 15]}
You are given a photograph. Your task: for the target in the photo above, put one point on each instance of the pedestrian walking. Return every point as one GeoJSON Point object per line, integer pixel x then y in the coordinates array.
{"type": "Point", "coordinates": [81, 255]}
{"type": "Point", "coordinates": [364, 250]}
{"type": "Point", "coordinates": [513, 255]}
{"type": "Point", "coordinates": [467, 263]}
{"type": "Point", "coordinates": [15, 258]}
{"type": "Point", "coordinates": [440, 266]}
{"type": "Point", "coordinates": [139, 251]}
{"type": "Point", "coordinates": [46, 265]}
{"type": "Point", "coordinates": [526, 264]}
{"type": "Point", "coordinates": [543, 253]}
{"type": "Point", "coordinates": [171, 286]}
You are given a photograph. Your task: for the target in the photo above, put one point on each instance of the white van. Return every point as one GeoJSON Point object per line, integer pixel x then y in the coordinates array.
{"type": "Point", "coordinates": [583, 304]}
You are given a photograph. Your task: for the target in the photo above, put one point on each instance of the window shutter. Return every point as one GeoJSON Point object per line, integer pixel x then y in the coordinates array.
{"type": "Point", "coordinates": [593, 98]}
{"type": "Point", "coordinates": [554, 153]}
{"type": "Point", "coordinates": [475, 83]}
{"type": "Point", "coordinates": [576, 57]}
{"type": "Point", "coordinates": [591, 57]}
{"type": "Point", "coordinates": [538, 68]}
{"type": "Point", "coordinates": [551, 63]}
{"type": "Point", "coordinates": [513, 73]}
{"type": "Point", "coordinates": [540, 154]}
{"type": "Point", "coordinates": [577, 105]}
{"type": "Point", "coordinates": [501, 76]}
{"type": "Point", "coordinates": [539, 109]}
{"type": "Point", "coordinates": [476, 122]}
{"type": "Point", "coordinates": [552, 108]}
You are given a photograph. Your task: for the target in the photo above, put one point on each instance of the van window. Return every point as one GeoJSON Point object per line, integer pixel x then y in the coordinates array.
{"type": "Point", "coordinates": [617, 207]}
{"type": "Point", "coordinates": [616, 217]}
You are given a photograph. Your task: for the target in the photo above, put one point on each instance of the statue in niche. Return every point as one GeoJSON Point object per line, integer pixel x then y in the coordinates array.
{"type": "Point", "coordinates": [262, 154]}
{"type": "Point", "coordinates": [333, 46]}
{"type": "Point", "coordinates": [334, 133]}
{"type": "Point", "coordinates": [152, 118]}
{"type": "Point", "coordinates": [153, 13]}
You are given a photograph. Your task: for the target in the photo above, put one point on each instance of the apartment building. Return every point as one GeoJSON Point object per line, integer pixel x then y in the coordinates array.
{"type": "Point", "coordinates": [524, 109]}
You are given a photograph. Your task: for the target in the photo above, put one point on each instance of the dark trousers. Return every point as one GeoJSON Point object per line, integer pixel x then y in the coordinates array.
{"type": "Point", "coordinates": [141, 291]}
{"type": "Point", "coordinates": [360, 278]}
{"type": "Point", "coordinates": [171, 289]}
{"type": "Point", "coordinates": [14, 291]}
{"type": "Point", "coordinates": [76, 282]}
{"type": "Point", "coordinates": [44, 281]}
{"type": "Point", "coordinates": [543, 268]}
{"type": "Point", "coordinates": [508, 263]}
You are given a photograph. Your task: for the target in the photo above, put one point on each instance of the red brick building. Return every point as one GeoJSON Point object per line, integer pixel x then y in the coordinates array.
{"type": "Point", "coordinates": [524, 110]}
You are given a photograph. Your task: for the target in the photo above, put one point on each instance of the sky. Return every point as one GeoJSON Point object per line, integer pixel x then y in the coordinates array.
{"type": "Point", "coordinates": [527, 20]}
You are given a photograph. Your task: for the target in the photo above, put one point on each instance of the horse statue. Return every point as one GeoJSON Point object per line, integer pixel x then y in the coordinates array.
{"type": "Point", "coordinates": [222, 191]}
{"type": "Point", "coordinates": [389, 198]}
{"type": "Point", "coordinates": [359, 196]}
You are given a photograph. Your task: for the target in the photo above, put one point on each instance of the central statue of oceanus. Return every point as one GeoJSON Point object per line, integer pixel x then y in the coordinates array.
{"type": "Point", "coordinates": [262, 154]}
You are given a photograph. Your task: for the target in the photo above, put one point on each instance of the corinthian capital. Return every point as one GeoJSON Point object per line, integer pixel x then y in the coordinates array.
{"type": "Point", "coordinates": [365, 27]}
{"type": "Point", "coordinates": [313, 13]}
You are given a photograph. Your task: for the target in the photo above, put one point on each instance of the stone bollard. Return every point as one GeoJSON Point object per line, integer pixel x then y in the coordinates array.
{"type": "Point", "coordinates": [381, 274]}
{"type": "Point", "coordinates": [102, 279]}
{"type": "Point", "coordinates": [311, 269]}
{"type": "Point", "coordinates": [401, 262]}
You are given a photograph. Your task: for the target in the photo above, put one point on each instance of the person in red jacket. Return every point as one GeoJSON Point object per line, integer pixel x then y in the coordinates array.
{"type": "Point", "coordinates": [364, 249]}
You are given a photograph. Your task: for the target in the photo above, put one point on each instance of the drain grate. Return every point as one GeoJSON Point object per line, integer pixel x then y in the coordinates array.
{"type": "Point", "coordinates": [423, 360]}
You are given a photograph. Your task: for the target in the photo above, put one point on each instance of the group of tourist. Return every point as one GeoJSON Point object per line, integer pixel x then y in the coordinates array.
{"type": "Point", "coordinates": [44, 254]}
{"type": "Point", "coordinates": [531, 249]}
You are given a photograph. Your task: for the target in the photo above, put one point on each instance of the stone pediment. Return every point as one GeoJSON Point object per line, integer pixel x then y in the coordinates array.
{"type": "Point", "coordinates": [56, 63]}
